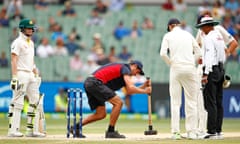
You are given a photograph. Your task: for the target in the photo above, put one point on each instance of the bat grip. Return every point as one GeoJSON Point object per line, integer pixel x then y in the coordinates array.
{"type": "Point", "coordinates": [148, 78]}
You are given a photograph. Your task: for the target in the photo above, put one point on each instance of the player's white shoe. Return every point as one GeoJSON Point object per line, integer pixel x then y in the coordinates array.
{"type": "Point", "coordinates": [15, 134]}
{"type": "Point", "coordinates": [220, 136]}
{"type": "Point", "coordinates": [176, 136]}
{"type": "Point", "coordinates": [34, 134]}
{"type": "Point", "coordinates": [192, 136]}
{"type": "Point", "coordinates": [201, 134]}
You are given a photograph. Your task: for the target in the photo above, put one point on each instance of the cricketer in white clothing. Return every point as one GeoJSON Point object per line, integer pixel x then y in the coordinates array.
{"type": "Point", "coordinates": [23, 81]}
{"type": "Point", "coordinates": [184, 51]}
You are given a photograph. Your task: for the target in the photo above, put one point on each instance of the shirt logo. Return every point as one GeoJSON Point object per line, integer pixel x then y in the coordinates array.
{"type": "Point", "coordinates": [219, 38]}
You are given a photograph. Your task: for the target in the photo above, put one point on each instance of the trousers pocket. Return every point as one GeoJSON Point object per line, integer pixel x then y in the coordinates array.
{"type": "Point", "coordinates": [217, 74]}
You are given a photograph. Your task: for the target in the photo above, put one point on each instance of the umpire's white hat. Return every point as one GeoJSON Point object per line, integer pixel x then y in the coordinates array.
{"type": "Point", "coordinates": [206, 20]}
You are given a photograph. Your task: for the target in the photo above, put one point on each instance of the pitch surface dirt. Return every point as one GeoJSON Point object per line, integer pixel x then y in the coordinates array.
{"type": "Point", "coordinates": [130, 136]}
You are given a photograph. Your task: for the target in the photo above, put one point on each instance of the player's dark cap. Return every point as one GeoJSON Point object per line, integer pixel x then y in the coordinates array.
{"type": "Point", "coordinates": [139, 65]}
{"type": "Point", "coordinates": [171, 22]}
{"type": "Point", "coordinates": [206, 20]}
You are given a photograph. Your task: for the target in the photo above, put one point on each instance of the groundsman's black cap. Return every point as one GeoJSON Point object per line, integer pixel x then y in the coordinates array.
{"type": "Point", "coordinates": [139, 65]}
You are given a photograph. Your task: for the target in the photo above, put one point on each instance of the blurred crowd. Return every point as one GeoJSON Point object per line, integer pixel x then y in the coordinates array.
{"type": "Point", "coordinates": [65, 44]}
{"type": "Point", "coordinates": [228, 14]}
{"type": "Point", "coordinates": [71, 44]}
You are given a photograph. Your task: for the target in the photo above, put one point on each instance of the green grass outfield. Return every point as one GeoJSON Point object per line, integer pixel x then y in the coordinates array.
{"type": "Point", "coordinates": [133, 126]}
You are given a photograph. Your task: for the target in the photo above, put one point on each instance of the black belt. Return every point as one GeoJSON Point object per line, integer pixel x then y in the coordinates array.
{"type": "Point", "coordinates": [220, 65]}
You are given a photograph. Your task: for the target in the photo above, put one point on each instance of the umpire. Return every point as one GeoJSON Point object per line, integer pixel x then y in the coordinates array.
{"type": "Point", "coordinates": [213, 75]}
{"type": "Point", "coordinates": [101, 87]}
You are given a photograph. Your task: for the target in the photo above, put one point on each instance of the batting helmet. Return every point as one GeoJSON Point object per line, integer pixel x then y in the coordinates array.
{"type": "Point", "coordinates": [26, 23]}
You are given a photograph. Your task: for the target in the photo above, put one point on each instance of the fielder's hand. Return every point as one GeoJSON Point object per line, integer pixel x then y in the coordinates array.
{"type": "Point", "coordinates": [227, 52]}
{"type": "Point", "coordinates": [204, 79]}
{"type": "Point", "coordinates": [14, 83]}
{"type": "Point", "coordinates": [200, 61]}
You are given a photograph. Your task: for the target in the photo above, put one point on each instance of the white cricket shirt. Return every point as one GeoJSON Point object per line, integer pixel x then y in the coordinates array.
{"type": "Point", "coordinates": [227, 37]}
{"type": "Point", "coordinates": [214, 50]}
{"type": "Point", "coordinates": [23, 47]}
{"type": "Point", "coordinates": [182, 47]}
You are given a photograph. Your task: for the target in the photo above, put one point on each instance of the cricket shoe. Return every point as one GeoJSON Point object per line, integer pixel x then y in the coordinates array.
{"type": "Point", "coordinates": [114, 134]}
{"type": "Point", "coordinates": [192, 136]}
{"type": "Point", "coordinates": [15, 134]}
{"type": "Point", "coordinates": [77, 133]}
{"type": "Point", "coordinates": [219, 135]}
{"type": "Point", "coordinates": [177, 136]}
{"type": "Point", "coordinates": [34, 134]}
{"type": "Point", "coordinates": [207, 136]}
{"type": "Point", "coordinates": [201, 134]}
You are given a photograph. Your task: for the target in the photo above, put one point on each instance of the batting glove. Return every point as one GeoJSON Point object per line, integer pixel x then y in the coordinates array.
{"type": "Point", "coordinates": [14, 83]}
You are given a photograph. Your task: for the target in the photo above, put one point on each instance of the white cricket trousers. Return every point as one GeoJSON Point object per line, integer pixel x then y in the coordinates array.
{"type": "Point", "coordinates": [202, 113]}
{"type": "Point", "coordinates": [183, 76]}
{"type": "Point", "coordinates": [29, 87]}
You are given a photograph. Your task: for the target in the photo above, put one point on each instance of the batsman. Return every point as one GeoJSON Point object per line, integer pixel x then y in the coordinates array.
{"type": "Point", "coordinates": [24, 81]}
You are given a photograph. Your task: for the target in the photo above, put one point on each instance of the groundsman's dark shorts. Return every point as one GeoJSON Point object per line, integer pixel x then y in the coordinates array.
{"type": "Point", "coordinates": [97, 92]}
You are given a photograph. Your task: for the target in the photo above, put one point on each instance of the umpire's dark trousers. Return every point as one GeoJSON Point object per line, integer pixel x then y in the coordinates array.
{"type": "Point", "coordinates": [213, 94]}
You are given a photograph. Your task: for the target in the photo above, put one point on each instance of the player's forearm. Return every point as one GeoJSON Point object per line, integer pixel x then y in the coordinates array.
{"type": "Point", "coordinates": [143, 86]}
{"type": "Point", "coordinates": [14, 65]}
{"type": "Point", "coordinates": [232, 47]}
{"type": "Point", "coordinates": [14, 69]}
{"type": "Point", "coordinates": [133, 89]}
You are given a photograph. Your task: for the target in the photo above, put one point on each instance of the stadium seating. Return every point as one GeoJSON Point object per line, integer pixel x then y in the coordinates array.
{"type": "Point", "coordinates": [5, 74]}
{"type": "Point", "coordinates": [145, 48]}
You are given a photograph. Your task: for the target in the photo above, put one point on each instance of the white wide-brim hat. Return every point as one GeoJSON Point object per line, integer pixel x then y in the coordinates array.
{"type": "Point", "coordinates": [207, 20]}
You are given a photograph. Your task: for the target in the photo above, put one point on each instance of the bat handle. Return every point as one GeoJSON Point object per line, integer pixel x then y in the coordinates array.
{"type": "Point", "coordinates": [148, 78]}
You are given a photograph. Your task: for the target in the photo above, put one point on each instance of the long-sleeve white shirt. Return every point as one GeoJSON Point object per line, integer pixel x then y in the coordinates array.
{"type": "Point", "coordinates": [227, 37]}
{"type": "Point", "coordinates": [213, 46]}
{"type": "Point", "coordinates": [182, 46]}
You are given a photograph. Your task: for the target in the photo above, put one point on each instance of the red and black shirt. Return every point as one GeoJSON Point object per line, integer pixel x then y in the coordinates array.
{"type": "Point", "coordinates": [112, 75]}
